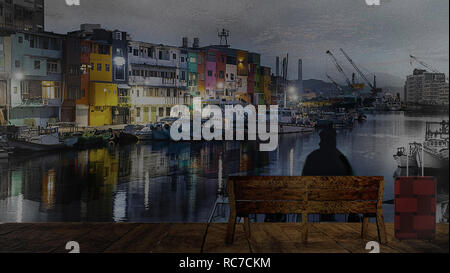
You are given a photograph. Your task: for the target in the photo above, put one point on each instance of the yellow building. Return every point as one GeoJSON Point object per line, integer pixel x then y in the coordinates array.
{"type": "Point", "coordinates": [103, 94]}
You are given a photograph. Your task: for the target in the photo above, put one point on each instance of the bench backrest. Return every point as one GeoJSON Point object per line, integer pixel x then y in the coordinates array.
{"type": "Point", "coordinates": [305, 194]}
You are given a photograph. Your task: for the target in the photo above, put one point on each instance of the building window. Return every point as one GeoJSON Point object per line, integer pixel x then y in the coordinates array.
{"type": "Point", "coordinates": [92, 66]}
{"type": "Point", "coordinates": [210, 73]}
{"type": "Point", "coordinates": [99, 67]}
{"type": "Point", "coordinates": [20, 39]}
{"type": "Point", "coordinates": [221, 74]}
{"type": "Point", "coordinates": [174, 56]}
{"type": "Point", "coordinates": [168, 111]}
{"type": "Point", "coordinates": [52, 67]}
{"type": "Point", "coordinates": [161, 111]}
{"type": "Point", "coordinates": [107, 67]}
{"type": "Point", "coordinates": [136, 52]}
{"type": "Point", "coordinates": [182, 59]}
{"type": "Point", "coordinates": [17, 64]}
{"type": "Point", "coordinates": [138, 112]}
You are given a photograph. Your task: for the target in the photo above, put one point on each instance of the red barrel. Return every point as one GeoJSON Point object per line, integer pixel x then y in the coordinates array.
{"type": "Point", "coordinates": [415, 208]}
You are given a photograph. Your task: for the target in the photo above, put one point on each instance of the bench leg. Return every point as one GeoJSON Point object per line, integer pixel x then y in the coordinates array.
{"type": "Point", "coordinates": [365, 226]}
{"type": "Point", "coordinates": [305, 228]}
{"type": "Point", "coordinates": [382, 237]}
{"type": "Point", "coordinates": [231, 229]}
{"type": "Point", "coordinates": [247, 227]}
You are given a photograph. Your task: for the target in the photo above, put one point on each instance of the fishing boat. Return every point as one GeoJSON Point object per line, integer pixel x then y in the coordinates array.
{"type": "Point", "coordinates": [407, 158]}
{"type": "Point", "coordinates": [145, 133]}
{"type": "Point", "coordinates": [161, 130]}
{"type": "Point", "coordinates": [434, 150]}
{"type": "Point", "coordinates": [37, 140]}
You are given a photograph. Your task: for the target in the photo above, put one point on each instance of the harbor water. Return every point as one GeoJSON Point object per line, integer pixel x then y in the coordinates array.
{"type": "Point", "coordinates": [180, 182]}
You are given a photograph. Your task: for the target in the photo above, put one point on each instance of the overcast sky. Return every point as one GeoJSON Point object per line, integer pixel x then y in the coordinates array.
{"type": "Point", "coordinates": [378, 38]}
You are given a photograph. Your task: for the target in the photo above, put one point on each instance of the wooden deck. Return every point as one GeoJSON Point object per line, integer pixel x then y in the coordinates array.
{"type": "Point", "coordinates": [197, 238]}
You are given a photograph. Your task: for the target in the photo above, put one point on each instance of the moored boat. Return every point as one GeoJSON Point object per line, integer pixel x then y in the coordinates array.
{"type": "Point", "coordinates": [433, 153]}
{"type": "Point", "coordinates": [145, 133]}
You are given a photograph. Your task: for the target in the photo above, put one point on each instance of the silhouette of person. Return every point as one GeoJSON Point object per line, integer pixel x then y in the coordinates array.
{"type": "Point", "coordinates": [328, 161]}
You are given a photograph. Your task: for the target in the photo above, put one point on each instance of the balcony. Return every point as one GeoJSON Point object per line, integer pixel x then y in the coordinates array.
{"type": "Point", "coordinates": [55, 102]}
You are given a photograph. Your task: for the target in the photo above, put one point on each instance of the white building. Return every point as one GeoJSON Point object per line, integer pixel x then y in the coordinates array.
{"type": "Point", "coordinates": [154, 80]}
{"type": "Point", "coordinates": [426, 88]}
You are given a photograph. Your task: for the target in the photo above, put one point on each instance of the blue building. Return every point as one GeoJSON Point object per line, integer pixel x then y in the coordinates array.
{"type": "Point", "coordinates": [34, 68]}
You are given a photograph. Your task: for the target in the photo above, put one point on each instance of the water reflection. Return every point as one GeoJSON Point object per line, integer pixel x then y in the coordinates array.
{"type": "Point", "coordinates": [180, 182]}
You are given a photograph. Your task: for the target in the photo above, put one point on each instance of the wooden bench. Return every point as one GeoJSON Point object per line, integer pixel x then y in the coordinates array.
{"type": "Point", "coordinates": [306, 195]}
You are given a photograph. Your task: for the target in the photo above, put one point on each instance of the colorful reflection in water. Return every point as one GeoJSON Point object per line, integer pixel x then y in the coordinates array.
{"type": "Point", "coordinates": [179, 182]}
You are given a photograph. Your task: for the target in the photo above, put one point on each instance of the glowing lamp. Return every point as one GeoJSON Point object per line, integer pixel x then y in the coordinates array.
{"type": "Point", "coordinates": [119, 61]}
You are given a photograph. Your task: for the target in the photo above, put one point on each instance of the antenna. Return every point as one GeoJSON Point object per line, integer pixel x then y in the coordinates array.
{"type": "Point", "coordinates": [223, 35]}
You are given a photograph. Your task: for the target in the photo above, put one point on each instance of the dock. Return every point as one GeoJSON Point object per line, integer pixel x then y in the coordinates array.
{"type": "Point", "coordinates": [204, 238]}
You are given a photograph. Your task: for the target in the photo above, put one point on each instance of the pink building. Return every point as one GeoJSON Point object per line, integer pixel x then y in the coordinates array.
{"type": "Point", "coordinates": [210, 74]}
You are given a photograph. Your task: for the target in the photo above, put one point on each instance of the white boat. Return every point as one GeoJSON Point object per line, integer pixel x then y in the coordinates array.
{"type": "Point", "coordinates": [433, 152]}
{"type": "Point", "coordinates": [294, 128]}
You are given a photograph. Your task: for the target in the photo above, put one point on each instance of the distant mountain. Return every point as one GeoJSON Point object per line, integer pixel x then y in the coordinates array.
{"type": "Point", "coordinates": [318, 86]}
{"type": "Point", "coordinates": [387, 82]}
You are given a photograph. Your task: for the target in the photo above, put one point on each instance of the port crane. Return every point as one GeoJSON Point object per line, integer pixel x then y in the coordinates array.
{"type": "Point", "coordinates": [373, 86]}
{"type": "Point", "coordinates": [339, 88]}
{"type": "Point", "coordinates": [424, 64]}
{"type": "Point", "coordinates": [339, 68]}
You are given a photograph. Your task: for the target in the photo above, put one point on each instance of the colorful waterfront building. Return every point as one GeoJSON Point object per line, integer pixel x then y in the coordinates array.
{"type": "Point", "coordinates": [220, 74]}
{"type": "Point", "coordinates": [192, 66]}
{"type": "Point", "coordinates": [120, 68]}
{"type": "Point", "coordinates": [254, 81]}
{"type": "Point", "coordinates": [92, 94]}
{"type": "Point", "coordinates": [31, 76]}
{"type": "Point", "coordinates": [242, 76]}
{"type": "Point", "coordinates": [201, 72]}
{"type": "Point", "coordinates": [155, 87]}
{"type": "Point", "coordinates": [211, 74]}
{"type": "Point", "coordinates": [231, 74]}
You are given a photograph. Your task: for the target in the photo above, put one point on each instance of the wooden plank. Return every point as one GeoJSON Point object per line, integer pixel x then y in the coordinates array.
{"type": "Point", "coordinates": [297, 193]}
{"type": "Point", "coordinates": [42, 238]}
{"type": "Point", "coordinates": [265, 238]}
{"type": "Point", "coordinates": [286, 207]}
{"type": "Point", "coordinates": [215, 240]}
{"type": "Point", "coordinates": [409, 246]}
{"type": "Point", "coordinates": [182, 238]}
{"type": "Point", "coordinates": [11, 227]}
{"type": "Point", "coordinates": [100, 237]}
{"type": "Point", "coordinates": [314, 182]}
{"type": "Point", "coordinates": [141, 239]}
